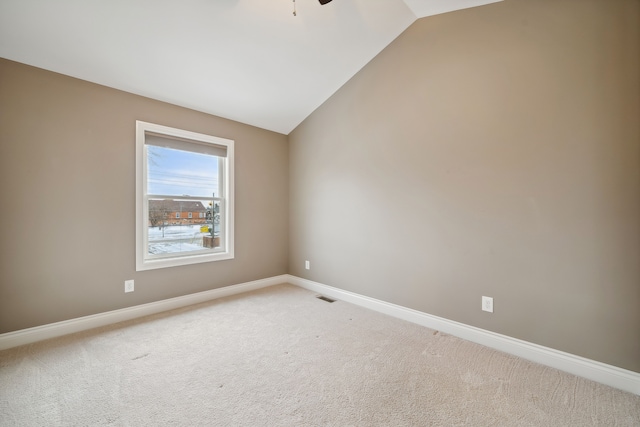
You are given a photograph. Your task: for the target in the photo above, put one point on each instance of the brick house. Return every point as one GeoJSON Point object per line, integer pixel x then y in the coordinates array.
{"type": "Point", "coordinates": [176, 212]}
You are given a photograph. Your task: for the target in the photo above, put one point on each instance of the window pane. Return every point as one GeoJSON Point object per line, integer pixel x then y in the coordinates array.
{"type": "Point", "coordinates": [170, 232]}
{"type": "Point", "coordinates": [184, 197]}
{"type": "Point", "coordinates": [181, 173]}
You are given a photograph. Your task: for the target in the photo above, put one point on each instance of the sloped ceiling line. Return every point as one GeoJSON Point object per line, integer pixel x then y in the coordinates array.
{"type": "Point", "coordinates": [245, 60]}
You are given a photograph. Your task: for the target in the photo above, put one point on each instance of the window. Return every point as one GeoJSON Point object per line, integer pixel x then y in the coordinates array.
{"type": "Point", "coordinates": [178, 171]}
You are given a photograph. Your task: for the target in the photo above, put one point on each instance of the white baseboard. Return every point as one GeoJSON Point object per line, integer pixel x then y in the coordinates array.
{"type": "Point", "coordinates": [52, 330]}
{"type": "Point", "coordinates": [596, 371]}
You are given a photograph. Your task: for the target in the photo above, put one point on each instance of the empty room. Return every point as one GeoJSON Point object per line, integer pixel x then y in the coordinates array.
{"type": "Point", "coordinates": [320, 213]}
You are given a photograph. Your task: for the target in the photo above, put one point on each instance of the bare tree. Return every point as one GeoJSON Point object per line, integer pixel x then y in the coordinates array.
{"type": "Point", "coordinates": [158, 214]}
{"type": "Point", "coordinates": [215, 221]}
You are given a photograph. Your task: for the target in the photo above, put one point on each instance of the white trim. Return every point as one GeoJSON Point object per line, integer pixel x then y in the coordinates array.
{"type": "Point", "coordinates": [52, 330]}
{"type": "Point", "coordinates": [144, 261]}
{"type": "Point", "coordinates": [596, 371]}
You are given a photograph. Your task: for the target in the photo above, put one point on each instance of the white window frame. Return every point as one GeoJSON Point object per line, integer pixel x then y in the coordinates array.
{"type": "Point", "coordinates": [226, 175]}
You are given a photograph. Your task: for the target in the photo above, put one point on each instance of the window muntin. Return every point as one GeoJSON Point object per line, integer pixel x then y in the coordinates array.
{"type": "Point", "coordinates": [181, 171]}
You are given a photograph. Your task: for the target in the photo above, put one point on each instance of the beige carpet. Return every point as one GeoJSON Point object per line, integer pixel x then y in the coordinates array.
{"type": "Point", "coordinates": [281, 357]}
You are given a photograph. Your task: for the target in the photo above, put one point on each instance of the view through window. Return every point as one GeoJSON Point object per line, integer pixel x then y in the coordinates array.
{"type": "Point", "coordinates": [184, 197]}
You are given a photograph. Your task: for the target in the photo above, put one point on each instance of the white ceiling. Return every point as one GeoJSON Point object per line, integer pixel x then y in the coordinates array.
{"type": "Point", "coordinates": [245, 60]}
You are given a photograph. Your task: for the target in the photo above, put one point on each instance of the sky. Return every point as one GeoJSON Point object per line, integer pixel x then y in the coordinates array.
{"type": "Point", "coordinates": [179, 173]}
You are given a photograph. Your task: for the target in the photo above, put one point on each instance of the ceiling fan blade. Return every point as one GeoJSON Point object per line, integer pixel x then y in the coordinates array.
{"type": "Point", "coordinates": [324, 1]}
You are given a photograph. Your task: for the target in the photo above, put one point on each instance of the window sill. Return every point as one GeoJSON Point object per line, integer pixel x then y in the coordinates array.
{"type": "Point", "coordinates": [152, 264]}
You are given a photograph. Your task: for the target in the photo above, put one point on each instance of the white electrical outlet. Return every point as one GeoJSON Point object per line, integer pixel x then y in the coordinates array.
{"type": "Point", "coordinates": [307, 265]}
{"type": "Point", "coordinates": [487, 304]}
{"type": "Point", "coordinates": [128, 285]}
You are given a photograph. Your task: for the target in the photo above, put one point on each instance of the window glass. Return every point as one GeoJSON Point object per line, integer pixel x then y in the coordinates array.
{"type": "Point", "coordinates": [180, 173]}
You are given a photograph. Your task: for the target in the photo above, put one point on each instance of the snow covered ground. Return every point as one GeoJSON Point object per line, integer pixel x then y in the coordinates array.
{"type": "Point", "coordinates": [172, 247]}
{"type": "Point", "coordinates": [173, 232]}
{"type": "Point", "coordinates": [175, 238]}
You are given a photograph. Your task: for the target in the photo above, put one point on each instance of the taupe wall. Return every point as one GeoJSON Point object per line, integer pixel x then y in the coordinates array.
{"type": "Point", "coordinates": [67, 191]}
{"type": "Point", "coordinates": [491, 151]}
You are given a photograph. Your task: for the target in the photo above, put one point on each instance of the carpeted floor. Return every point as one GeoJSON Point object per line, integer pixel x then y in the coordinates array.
{"type": "Point", "coordinates": [281, 357]}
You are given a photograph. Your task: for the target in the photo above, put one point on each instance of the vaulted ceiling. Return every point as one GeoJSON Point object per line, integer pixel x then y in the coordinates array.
{"type": "Point", "coordinates": [247, 60]}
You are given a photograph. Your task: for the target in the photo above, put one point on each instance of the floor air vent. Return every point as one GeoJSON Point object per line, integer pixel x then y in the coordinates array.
{"type": "Point", "coordinates": [323, 298]}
